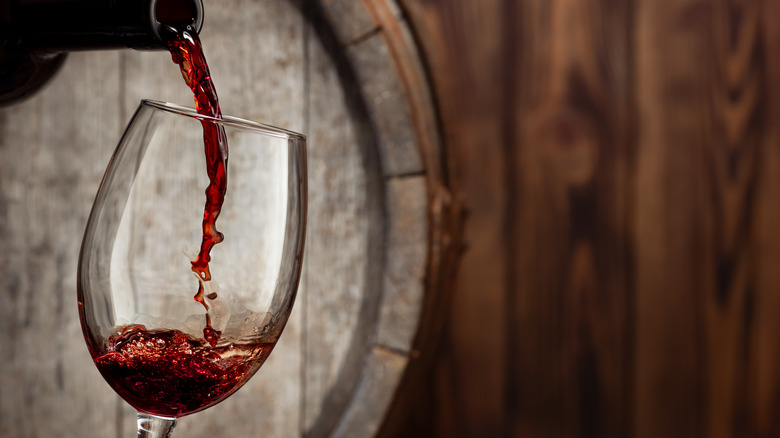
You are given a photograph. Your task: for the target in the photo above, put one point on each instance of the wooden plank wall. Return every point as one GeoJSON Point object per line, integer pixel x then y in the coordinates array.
{"type": "Point", "coordinates": [619, 161]}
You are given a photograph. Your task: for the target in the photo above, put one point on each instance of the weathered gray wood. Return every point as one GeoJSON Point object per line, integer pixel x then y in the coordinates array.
{"type": "Point", "coordinates": [53, 149]}
{"type": "Point", "coordinates": [389, 111]}
{"type": "Point", "coordinates": [403, 279]}
{"type": "Point", "coordinates": [336, 265]}
{"type": "Point", "coordinates": [377, 383]}
{"type": "Point", "coordinates": [354, 21]}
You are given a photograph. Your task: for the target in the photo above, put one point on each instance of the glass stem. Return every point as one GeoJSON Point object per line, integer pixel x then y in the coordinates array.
{"type": "Point", "coordinates": [150, 426]}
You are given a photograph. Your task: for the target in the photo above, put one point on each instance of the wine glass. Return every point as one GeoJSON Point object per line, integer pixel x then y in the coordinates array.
{"type": "Point", "coordinates": [165, 353]}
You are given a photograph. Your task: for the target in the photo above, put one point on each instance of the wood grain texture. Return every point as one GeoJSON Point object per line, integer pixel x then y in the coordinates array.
{"type": "Point", "coordinates": [618, 162]}
{"type": "Point", "coordinates": [569, 223]}
{"type": "Point", "coordinates": [669, 325]}
{"type": "Point", "coordinates": [764, 347]}
{"type": "Point", "coordinates": [51, 167]}
{"type": "Point", "coordinates": [721, 122]}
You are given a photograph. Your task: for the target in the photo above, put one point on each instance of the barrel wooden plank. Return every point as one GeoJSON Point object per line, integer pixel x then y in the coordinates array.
{"type": "Point", "coordinates": [403, 278]}
{"type": "Point", "coordinates": [673, 108]}
{"type": "Point", "coordinates": [342, 219]}
{"type": "Point", "coordinates": [731, 176]}
{"type": "Point", "coordinates": [352, 18]}
{"type": "Point", "coordinates": [713, 117]}
{"type": "Point", "coordinates": [54, 148]}
{"type": "Point", "coordinates": [411, 71]}
{"type": "Point", "coordinates": [377, 384]}
{"type": "Point", "coordinates": [570, 289]}
{"type": "Point", "coordinates": [764, 348]}
{"type": "Point", "coordinates": [389, 111]}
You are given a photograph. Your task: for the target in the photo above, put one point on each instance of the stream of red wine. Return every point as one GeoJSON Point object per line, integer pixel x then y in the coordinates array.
{"type": "Point", "coordinates": [166, 372]}
{"type": "Point", "coordinates": [187, 52]}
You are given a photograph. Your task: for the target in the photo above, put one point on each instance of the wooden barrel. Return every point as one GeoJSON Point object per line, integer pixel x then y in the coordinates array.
{"type": "Point", "coordinates": [345, 73]}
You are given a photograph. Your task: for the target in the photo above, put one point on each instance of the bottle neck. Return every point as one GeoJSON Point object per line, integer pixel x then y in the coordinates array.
{"type": "Point", "coordinates": [74, 25]}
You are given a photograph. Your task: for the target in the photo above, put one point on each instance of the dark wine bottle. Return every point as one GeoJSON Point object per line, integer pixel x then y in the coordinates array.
{"type": "Point", "coordinates": [36, 35]}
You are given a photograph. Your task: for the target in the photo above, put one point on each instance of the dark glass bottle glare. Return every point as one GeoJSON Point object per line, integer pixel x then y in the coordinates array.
{"type": "Point", "coordinates": [36, 35]}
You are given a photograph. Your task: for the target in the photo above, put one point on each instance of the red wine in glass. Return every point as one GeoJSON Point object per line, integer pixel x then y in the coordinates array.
{"type": "Point", "coordinates": [170, 374]}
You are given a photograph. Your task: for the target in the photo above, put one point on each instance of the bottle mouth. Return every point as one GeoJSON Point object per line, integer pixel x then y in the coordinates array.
{"type": "Point", "coordinates": [178, 14]}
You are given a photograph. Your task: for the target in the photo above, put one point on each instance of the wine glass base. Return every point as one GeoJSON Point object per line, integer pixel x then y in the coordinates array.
{"type": "Point", "coordinates": [150, 426]}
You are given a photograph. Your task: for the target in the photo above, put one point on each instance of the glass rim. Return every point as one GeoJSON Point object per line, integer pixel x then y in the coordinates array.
{"type": "Point", "coordinates": [228, 121]}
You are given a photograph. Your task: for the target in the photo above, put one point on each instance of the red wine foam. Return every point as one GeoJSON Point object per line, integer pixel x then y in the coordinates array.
{"type": "Point", "coordinates": [170, 374]}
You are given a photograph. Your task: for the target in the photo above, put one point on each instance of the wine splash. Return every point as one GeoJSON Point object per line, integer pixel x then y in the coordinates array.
{"type": "Point", "coordinates": [170, 374]}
